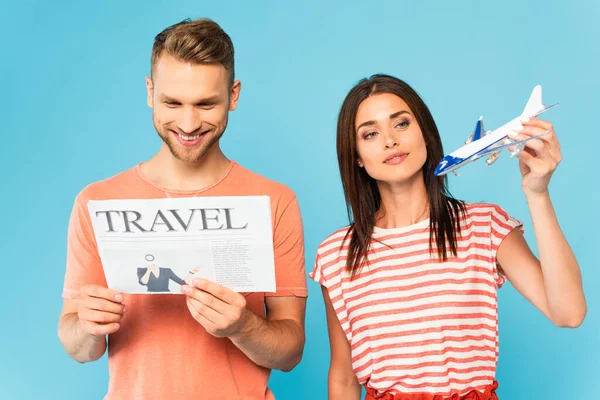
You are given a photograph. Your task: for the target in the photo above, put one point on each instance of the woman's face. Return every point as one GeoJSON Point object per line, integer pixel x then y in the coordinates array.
{"type": "Point", "coordinates": [389, 141]}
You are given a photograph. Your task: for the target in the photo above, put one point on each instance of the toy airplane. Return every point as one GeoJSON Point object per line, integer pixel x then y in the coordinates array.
{"type": "Point", "coordinates": [481, 143]}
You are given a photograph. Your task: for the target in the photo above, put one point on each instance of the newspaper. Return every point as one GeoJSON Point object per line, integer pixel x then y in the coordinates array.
{"type": "Point", "coordinates": [156, 245]}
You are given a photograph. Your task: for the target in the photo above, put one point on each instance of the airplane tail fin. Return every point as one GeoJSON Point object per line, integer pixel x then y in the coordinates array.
{"type": "Point", "coordinates": [478, 132]}
{"type": "Point", "coordinates": [535, 106]}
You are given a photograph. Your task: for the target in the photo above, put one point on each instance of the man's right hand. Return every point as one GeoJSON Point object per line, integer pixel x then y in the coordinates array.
{"type": "Point", "coordinates": [99, 310]}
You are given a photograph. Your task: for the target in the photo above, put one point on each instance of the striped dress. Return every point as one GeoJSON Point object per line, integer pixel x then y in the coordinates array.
{"type": "Point", "coordinates": [417, 325]}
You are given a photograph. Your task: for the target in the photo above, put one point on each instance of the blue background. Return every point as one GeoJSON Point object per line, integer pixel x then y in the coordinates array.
{"type": "Point", "coordinates": [74, 111]}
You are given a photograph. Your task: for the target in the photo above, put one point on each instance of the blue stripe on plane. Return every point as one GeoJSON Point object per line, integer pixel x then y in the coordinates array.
{"type": "Point", "coordinates": [478, 130]}
{"type": "Point", "coordinates": [449, 161]}
{"type": "Point", "coordinates": [486, 147]}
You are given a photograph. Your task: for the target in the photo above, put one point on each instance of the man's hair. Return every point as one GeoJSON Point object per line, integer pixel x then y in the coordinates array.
{"type": "Point", "coordinates": [198, 42]}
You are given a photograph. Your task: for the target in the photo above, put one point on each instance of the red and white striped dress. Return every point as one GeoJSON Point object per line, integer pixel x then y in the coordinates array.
{"type": "Point", "coordinates": [415, 324]}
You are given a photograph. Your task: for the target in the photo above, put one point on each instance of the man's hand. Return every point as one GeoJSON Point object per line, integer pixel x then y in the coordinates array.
{"type": "Point", "coordinates": [221, 311]}
{"type": "Point", "coordinates": [275, 342]}
{"type": "Point", "coordinates": [99, 310]}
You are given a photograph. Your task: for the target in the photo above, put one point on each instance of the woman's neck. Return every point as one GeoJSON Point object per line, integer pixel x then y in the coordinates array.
{"type": "Point", "coordinates": [402, 204]}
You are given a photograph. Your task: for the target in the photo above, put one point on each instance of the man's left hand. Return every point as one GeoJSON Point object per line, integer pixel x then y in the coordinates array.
{"type": "Point", "coordinates": [221, 311]}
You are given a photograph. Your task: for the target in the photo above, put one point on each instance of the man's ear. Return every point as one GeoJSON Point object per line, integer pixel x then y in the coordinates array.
{"type": "Point", "coordinates": [150, 90]}
{"type": "Point", "coordinates": [234, 95]}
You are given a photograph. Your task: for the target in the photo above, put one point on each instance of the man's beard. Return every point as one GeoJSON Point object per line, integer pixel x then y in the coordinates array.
{"type": "Point", "coordinates": [191, 154]}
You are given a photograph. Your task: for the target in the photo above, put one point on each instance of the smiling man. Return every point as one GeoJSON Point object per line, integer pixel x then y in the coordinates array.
{"type": "Point", "coordinates": [209, 342]}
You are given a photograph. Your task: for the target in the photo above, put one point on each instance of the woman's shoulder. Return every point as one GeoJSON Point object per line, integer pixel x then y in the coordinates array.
{"type": "Point", "coordinates": [478, 208]}
{"type": "Point", "coordinates": [335, 240]}
{"type": "Point", "coordinates": [328, 262]}
{"type": "Point", "coordinates": [489, 213]}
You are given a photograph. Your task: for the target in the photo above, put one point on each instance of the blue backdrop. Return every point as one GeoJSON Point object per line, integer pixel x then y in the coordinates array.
{"type": "Point", "coordinates": [74, 111]}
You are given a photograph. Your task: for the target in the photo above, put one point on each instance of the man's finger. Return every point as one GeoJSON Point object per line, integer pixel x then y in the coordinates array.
{"type": "Point", "coordinates": [102, 293]}
{"type": "Point", "coordinates": [99, 304]}
{"type": "Point", "coordinates": [208, 300]}
{"type": "Point", "coordinates": [195, 309]}
{"type": "Point", "coordinates": [219, 320]}
{"type": "Point", "coordinates": [221, 292]}
{"type": "Point", "coordinates": [100, 329]}
{"type": "Point", "coordinates": [99, 316]}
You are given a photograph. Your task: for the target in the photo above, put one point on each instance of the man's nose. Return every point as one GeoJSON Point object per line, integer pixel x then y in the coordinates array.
{"type": "Point", "coordinates": [190, 121]}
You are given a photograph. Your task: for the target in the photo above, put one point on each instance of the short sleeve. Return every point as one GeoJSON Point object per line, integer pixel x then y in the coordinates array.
{"type": "Point", "coordinates": [83, 262]}
{"type": "Point", "coordinates": [317, 273]}
{"type": "Point", "coordinates": [288, 246]}
{"type": "Point", "coordinates": [329, 266]}
{"type": "Point", "coordinates": [501, 225]}
{"type": "Point", "coordinates": [328, 272]}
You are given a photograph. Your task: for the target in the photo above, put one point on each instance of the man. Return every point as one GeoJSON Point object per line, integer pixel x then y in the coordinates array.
{"type": "Point", "coordinates": [210, 343]}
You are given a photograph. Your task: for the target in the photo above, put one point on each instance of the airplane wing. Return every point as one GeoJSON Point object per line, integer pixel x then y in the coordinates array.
{"type": "Point", "coordinates": [492, 149]}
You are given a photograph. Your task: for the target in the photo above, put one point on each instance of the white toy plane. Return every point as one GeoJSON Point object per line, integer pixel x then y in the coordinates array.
{"type": "Point", "coordinates": [481, 143]}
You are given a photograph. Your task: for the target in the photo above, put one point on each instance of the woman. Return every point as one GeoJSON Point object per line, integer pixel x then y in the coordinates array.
{"type": "Point", "coordinates": [410, 285]}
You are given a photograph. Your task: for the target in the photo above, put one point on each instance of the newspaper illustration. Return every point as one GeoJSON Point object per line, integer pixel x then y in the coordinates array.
{"type": "Point", "coordinates": [157, 245]}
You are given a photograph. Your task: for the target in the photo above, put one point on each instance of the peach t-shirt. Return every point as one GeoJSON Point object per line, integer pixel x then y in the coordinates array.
{"type": "Point", "coordinates": [160, 351]}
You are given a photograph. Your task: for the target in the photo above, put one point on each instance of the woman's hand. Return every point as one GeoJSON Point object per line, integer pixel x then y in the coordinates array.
{"type": "Point", "coordinates": [540, 157]}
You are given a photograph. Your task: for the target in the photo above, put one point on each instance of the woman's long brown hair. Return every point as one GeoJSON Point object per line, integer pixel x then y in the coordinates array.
{"type": "Point", "coordinates": [362, 195]}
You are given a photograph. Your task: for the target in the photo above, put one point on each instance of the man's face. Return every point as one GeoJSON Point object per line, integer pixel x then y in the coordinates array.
{"type": "Point", "coordinates": [190, 105]}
